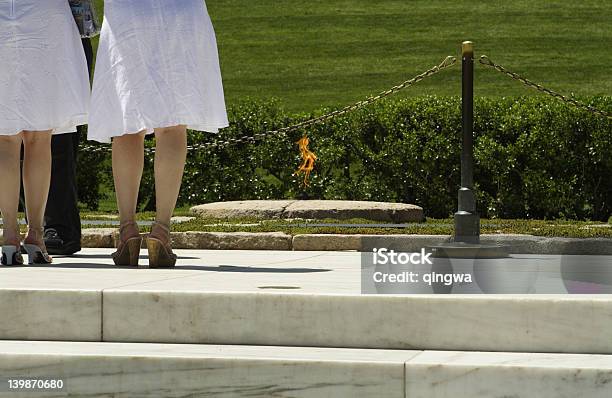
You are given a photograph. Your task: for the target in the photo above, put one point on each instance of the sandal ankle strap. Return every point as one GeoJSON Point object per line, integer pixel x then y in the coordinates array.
{"type": "Point", "coordinates": [162, 225]}
{"type": "Point", "coordinates": [167, 239]}
{"type": "Point", "coordinates": [126, 224]}
{"type": "Point", "coordinates": [122, 228]}
{"type": "Point", "coordinates": [17, 241]}
{"type": "Point", "coordinates": [40, 232]}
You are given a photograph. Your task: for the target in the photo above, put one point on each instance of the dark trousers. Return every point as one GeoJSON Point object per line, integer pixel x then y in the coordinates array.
{"type": "Point", "coordinates": [62, 212]}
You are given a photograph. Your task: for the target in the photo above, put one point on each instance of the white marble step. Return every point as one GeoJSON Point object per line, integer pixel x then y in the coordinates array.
{"type": "Point", "coordinates": [166, 370]}
{"type": "Point", "coordinates": [283, 298]}
{"type": "Point", "coordinates": [558, 324]}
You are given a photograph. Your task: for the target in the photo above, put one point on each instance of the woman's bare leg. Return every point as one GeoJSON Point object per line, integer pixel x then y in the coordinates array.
{"type": "Point", "coordinates": [128, 162]}
{"type": "Point", "coordinates": [36, 181]}
{"type": "Point", "coordinates": [10, 179]}
{"type": "Point", "coordinates": [170, 157]}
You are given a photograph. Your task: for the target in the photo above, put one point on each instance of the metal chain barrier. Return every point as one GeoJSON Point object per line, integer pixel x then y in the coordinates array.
{"type": "Point", "coordinates": [447, 63]}
{"type": "Point", "coordinates": [484, 60]}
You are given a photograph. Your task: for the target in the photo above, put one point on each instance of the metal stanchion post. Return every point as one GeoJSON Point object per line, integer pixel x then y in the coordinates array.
{"type": "Point", "coordinates": [467, 220]}
{"type": "Point", "coordinates": [466, 242]}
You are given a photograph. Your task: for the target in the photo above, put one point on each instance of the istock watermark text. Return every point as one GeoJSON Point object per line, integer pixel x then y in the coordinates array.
{"type": "Point", "coordinates": [385, 256]}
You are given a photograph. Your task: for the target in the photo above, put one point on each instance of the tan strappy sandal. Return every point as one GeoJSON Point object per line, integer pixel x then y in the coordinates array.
{"type": "Point", "coordinates": [160, 249]}
{"type": "Point", "coordinates": [37, 252]}
{"type": "Point", "coordinates": [128, 252]}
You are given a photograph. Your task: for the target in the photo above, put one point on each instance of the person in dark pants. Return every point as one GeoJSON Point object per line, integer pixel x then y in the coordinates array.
{"type": "Point", "coordinates": [62, 220]}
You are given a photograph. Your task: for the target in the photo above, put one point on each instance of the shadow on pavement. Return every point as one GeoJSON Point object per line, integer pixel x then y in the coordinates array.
{"type": "Point", "coordinates": [76, 266]}
{"type": "Point", "coordinates": [237, 268]}
{"type": "Point", "coordinates": [221, 268]}
{"type": "Point", "coordinates": [107, 256]}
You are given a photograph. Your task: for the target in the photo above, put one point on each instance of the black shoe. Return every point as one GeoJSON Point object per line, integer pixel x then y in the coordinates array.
{"type": "Point", "coordinates": [56, 245]}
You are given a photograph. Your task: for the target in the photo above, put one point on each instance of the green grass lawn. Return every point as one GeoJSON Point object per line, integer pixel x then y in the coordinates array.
{"type": "Point", "coordinates": [558, 228]}
{"type": "Point", "coordinates": [550, 228]}
{"type": "Point", "coordinates": [317, 53]}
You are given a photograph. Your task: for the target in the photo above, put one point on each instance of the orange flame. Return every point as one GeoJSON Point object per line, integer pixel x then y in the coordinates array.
{"type": "Point", "coordinates": [308, 159]}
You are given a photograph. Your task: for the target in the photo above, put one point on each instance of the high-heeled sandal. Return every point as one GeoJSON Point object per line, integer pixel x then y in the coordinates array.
{"type": "Point", "coordinates": [160, 251]}
{"type": "Point", "coordinates": [11, 254]}
{"type": "Point", "coordinates": [128, 252]}
{"type": "Point", "coordinates": [37, 253]}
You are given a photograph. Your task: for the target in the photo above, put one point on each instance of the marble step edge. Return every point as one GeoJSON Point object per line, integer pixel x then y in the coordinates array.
{"type": "Point", "coordinates": [525, 244]}
{"type": "Point", "coordinates": [460, 323]}
{"type": "Point", "coordinates": [153, 370]}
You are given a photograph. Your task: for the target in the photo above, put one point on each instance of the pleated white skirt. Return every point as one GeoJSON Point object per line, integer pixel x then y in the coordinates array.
{"type": "Point", "coordinates": [157, 66]}
{"type": "Point", "coordinates": [44, 83]}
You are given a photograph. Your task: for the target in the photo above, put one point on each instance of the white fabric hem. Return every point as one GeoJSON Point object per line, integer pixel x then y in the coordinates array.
{"type": "Point", "coordinates": [69, 127]}
{"type": "Point", "coordinates": [106, 139]}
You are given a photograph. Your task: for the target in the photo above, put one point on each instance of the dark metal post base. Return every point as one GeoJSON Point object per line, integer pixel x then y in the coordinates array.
{"type": "Point", "coordinates": [467, 227]}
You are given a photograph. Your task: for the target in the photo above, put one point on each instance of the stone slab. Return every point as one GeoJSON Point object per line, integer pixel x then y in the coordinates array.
{"type": "Point", "coordinates": [259, 209]}
{"type": "Point", "coordinates": [483, 323]}
{"type": "Point", "coordinates": [312, 209]}
{"type": "Point", "coordinates": [104, 238]}
{"type": "Point", "coordinates": [232, 241]}
{"type": "Point", "coordinates": [98, 237]}
{"type": "Point", "coordinates": [35, 314]}
{"type": "Point", "coordinates": [486, 375]}
{"type": "Point", "coordinates": [518, 244]}
{"type": "Point", "coordinates": [157, 370]}
{"type": "Point", "coordinates": [346, 209]}
{"type": "Point", "coordinates": [326, 242]}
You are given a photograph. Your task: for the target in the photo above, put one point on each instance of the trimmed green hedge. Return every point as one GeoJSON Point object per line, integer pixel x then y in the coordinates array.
{"type": "Point", "coordinates": [535, 157]}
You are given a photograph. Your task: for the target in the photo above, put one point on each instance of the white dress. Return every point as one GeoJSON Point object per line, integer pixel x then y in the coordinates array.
{"type": "Point", "coordinates": [157, 66]}
{"type": "Point", "coordinates": [44, 82]}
